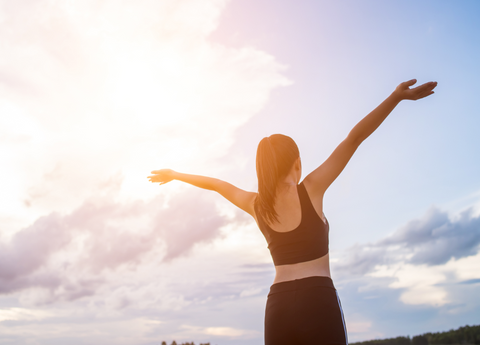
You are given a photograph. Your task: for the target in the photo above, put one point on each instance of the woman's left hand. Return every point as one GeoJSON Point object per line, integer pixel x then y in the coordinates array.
{"type": "Point", "coordinates": [162, 176]}
{"type": "Point", "coordinates": [403, 90]}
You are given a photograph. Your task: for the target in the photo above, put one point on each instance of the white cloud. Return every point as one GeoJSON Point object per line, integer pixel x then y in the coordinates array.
{"type": "Point", "coordinates": [93, 96]}
{"type": "Point", "coordinates": [149, 300]}
{"type": "Point", "coordinates": [109, 266]}
{"type": "Point", "coordinates": [421, 259]}
{"type": "Point", "coordinates": [360, 327]}
{"type": "Point", "coordinates": [419, 283]}
{"type": "Point", "coordinates": [251, 292]}
{"type": "Point", "coordinates": [66, 256]}
{"type": "Point", "coordinates": [19, 314]}
{"type": "Point", "coordinates": [89, 89]}
{"type": "Point", "coordinates": [228, 332]}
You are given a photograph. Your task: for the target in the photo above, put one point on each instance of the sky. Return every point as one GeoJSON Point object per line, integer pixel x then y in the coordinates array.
{"type": "Point", "coordinates": [96, 94]}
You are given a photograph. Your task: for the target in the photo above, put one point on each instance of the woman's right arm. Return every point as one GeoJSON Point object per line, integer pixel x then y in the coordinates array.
{"type": "Point", "coordinates": [239, 197]}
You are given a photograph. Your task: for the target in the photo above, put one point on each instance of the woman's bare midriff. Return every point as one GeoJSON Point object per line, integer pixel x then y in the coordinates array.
{"type": "Point", "coordinates": [318, 267]}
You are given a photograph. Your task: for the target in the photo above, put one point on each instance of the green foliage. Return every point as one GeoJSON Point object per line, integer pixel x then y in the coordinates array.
{"type": "Point", "coordinates": [463, 335]}
{"type": "Point", "coordinates": [419, 340]}
{"type": "Point", "coordinates": [389, 341]}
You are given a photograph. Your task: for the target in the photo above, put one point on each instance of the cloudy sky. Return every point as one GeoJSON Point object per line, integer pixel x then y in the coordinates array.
{"type": "Point", "coordinates": [96, 94]}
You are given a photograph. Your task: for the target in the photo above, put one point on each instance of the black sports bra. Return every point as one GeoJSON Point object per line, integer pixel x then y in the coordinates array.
{"type": "Point", "coordinates": [306, 242]}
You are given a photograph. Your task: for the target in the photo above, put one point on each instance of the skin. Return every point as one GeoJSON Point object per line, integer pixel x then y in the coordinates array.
{"type": "Point", "coordinates": [287, 203]}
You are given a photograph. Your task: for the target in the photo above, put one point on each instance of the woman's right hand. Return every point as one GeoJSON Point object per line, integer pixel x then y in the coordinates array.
{"type": "Point", "coordinates": [162, 176]}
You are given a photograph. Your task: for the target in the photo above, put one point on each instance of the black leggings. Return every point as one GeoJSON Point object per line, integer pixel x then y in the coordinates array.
{"type": "Point", "coordinates": [304, 311]}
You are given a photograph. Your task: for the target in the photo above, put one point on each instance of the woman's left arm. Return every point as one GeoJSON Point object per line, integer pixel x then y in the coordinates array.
{"type": "Point", "coordinates": [321, 178]}
{"type": "Point", "coordinates": [235, 195]}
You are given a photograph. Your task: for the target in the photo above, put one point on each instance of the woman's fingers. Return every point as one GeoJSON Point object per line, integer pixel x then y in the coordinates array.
{"type": "Point", "coordinates": [421, 91]}
{"type": "Point", "coordinates": [407, 84]}
{"type": "Point", "coordinates": [426, 86]}
{"type": "Point", "coordinates": [161, 176]}
{"type": "Point", "coordinates": [427, 90]}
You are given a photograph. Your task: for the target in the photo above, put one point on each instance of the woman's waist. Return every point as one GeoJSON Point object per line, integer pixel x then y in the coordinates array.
{"type": "Point", "coordinates": [303, 284]}
{"type": "Point", "coordinates": [315, 268]}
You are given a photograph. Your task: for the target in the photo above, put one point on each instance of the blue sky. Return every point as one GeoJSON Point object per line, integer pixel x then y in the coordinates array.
{"type": "Point", "coordinates": [93, 96]}
{"type": "Point", "coordinates": [344, 59]}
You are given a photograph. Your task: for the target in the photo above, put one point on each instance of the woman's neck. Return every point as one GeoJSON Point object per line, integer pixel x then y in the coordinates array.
{"type": "Point", "coordinates": [287, 186]}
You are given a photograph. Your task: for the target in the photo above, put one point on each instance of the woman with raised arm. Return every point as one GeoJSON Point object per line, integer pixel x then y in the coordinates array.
{"type": "Point", "coordinates": [303, 306]}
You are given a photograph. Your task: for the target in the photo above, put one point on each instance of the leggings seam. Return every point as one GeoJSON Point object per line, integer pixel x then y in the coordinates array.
{"type": "Point", "coordinates": [343, 319]}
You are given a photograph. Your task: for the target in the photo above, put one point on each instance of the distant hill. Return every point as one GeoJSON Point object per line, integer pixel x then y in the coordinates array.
{"type": "Point", "coordinates": [461, 336]}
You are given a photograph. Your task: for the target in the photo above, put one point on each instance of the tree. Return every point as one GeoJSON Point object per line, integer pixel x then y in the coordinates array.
{"type": "Point", "coordinates": [419, 340]}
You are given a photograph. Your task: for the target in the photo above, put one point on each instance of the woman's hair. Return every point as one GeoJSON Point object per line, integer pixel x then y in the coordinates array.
{"type": "Point", "coordinates": [276, 155]}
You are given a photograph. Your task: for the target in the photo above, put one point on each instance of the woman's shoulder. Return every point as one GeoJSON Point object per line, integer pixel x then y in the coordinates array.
{"type": "Point", "coordinates": [314, 194]}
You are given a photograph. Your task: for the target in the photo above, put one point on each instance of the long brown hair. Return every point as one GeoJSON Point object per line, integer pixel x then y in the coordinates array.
{"type": "Point", "coordinates": [276, 155]}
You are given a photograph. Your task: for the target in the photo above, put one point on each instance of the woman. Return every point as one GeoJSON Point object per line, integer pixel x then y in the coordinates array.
{"type": "Point", "coordinates": [303, 306]}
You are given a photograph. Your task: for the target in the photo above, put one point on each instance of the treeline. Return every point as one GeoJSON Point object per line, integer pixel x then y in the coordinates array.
{"type": "Point", "coordinates": [463, 335]}
{"type": "Point", "coordinates": [175, 343]}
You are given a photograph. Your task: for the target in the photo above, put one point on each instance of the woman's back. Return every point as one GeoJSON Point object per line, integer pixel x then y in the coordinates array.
{"type": "Point", "coordinates": [298, 239]}
{"type": "Point", "coordinates": [288, 209]}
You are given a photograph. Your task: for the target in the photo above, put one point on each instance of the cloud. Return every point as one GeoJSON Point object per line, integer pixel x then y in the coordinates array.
{"type": "Point", "coordinates": [93, 96]}
{"type": "Point", "coordinates": [89, 89]}
{"type": "Point", "coordinates": [67, 254]}
{"type": "Point", "coordinates": [228, 332]}
{"type": "Point", "coordinates": [471, 281]}
{"type": "Point", "coordinates": [186, 221]}
{"type": "Point", "coordinates": [22, 314]}
{"type": "Point", "coordinates": [198, 287]}
{"type": "Point", "coordinates": [431, 240]}
{"type": "Point", "coordinates": [421, 258]}
{"type": "Point", "coordinates": [435, 239]}
{"type": "Point", "coordinates": [31, 247]}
